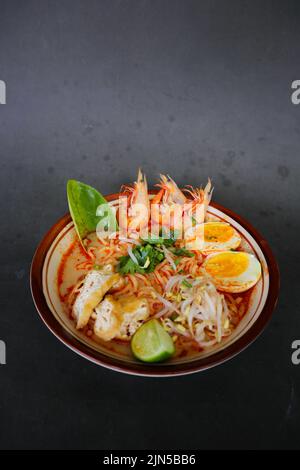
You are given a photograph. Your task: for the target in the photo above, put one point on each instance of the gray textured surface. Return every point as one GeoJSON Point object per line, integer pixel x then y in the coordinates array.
{"type": "Point", "coordinates": [196, 89]}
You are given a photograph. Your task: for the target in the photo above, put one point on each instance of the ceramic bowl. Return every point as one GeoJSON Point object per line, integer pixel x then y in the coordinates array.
{"type": "Point", "coordinates": [45, 295]}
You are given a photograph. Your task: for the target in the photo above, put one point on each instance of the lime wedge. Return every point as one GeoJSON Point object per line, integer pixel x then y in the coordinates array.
{"type": "Point", "coordinates": [151, 343]}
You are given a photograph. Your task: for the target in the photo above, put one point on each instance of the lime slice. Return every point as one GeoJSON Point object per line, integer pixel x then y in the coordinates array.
{"type": "Point", "coordinates": [151, 343]}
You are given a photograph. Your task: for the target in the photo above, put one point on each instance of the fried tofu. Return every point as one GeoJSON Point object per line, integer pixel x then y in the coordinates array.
{"type": "Point", "coordinates": [107, 323]}
{"type": "Point", "coordinates": [95, 286]}
{"type": "Point", "coordinates": [120, 318]}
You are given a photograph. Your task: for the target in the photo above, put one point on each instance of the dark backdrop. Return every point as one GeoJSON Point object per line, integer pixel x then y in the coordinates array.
{"type": "Point", "coordinates": [193, 88]}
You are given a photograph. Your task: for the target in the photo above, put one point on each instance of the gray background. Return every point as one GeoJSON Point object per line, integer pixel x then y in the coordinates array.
{"type": "Point", "coordinates": [193, 88]}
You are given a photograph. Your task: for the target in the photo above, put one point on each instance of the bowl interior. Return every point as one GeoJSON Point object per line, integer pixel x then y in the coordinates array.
{"type": "Point", "coordinates": [116, 350]}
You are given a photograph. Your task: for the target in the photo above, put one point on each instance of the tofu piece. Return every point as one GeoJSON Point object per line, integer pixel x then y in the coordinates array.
{"type": "Point", "coordinates": [134, 312]}
{"type": "Point", "coordinates": [120, 318]}
{"type": "Point", "coordinates": [95, 286]}
{"type": "Point", "coordinates": [107, 323]}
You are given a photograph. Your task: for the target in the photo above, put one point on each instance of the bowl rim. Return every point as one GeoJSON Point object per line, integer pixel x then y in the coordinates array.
{"type": "Point", "coordinates": [164, 369]}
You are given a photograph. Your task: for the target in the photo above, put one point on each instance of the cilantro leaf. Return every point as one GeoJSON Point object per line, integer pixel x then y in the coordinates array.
{"type": "Point", "coordinates": [182, 252]}
{"type": "Point", "coordinates": [147, 256]}
{"type": "Point", "coordinates": [186, 283]}
{"type": "Point", "coordinates": [167, 240]}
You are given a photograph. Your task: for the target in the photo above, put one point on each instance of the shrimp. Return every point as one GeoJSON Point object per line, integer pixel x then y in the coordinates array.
{"type": "Point", "coordinates": [137, 213]}
{"type": "Point", "coordinates": [167, 205]}
{"type": "Point", "coordinates": [169, 193]}
{"type": "Point", "coordinates": [180, 209]}
{"type": "Point", "coordinates": [196, 213]}
{"type": "Point", "coordinates": [200, 199]}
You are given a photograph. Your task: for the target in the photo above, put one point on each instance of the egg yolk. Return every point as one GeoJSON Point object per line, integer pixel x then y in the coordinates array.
{"type": "Point", "coordinates": [217, 232]}
{"type": "Point", "coordinates": [227, 264]}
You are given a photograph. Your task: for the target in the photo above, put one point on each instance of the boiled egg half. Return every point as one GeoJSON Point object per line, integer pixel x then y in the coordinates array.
{"type": "Point", "coordinates": [213, 236]}
{"type": "Point", "coordinates": [233, 271]}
